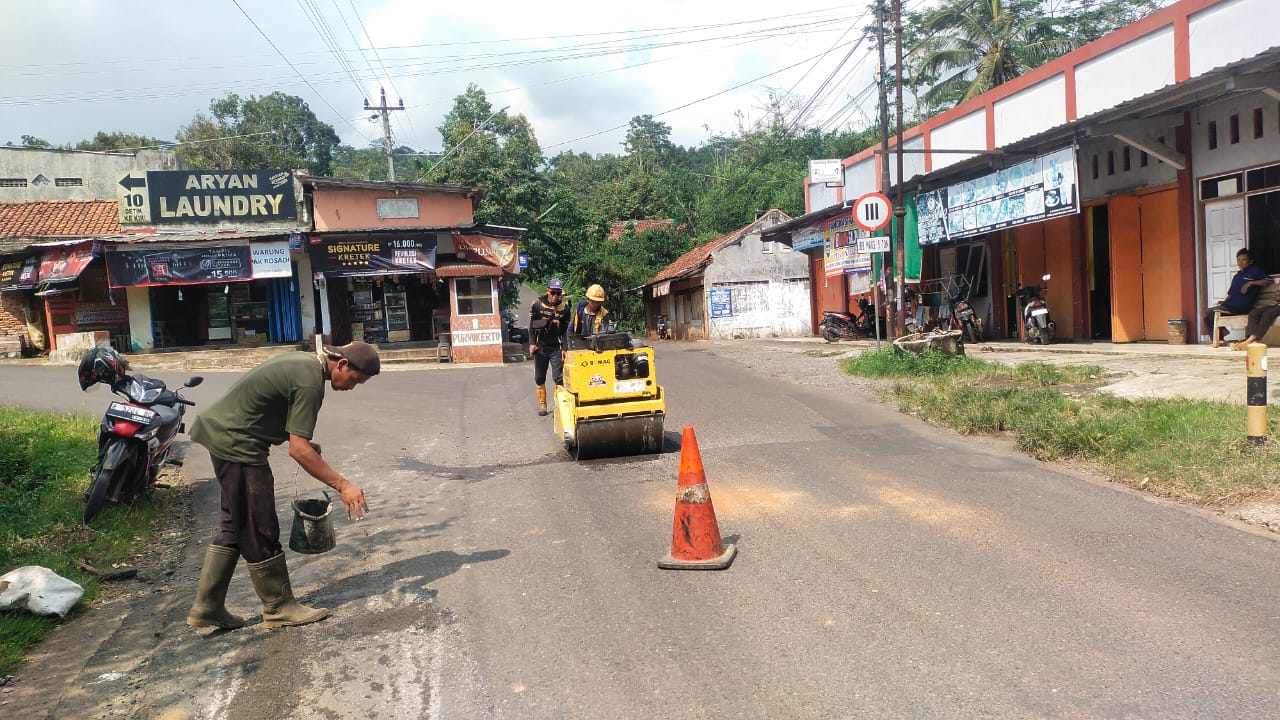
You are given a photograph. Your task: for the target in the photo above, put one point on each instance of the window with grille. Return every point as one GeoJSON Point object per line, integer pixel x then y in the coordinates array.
{"type": "Point", "coordinates": [68, 182]}
{"type": "Point", "coordinates": [13, 182]}
{"type": "Point", "coordinates": [474, 296]}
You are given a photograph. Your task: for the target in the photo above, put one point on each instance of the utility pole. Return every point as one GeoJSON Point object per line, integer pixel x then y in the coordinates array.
{"type": "Point", "coordinates": [881, 12]}
{"type": "Point", "coordinates": [385, 110]}
{"type": "Point", "coordinates": [899, 209]}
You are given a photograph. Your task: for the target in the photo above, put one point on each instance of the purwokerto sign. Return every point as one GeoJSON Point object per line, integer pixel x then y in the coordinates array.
{"type": "Point", "coordinates": [159, 197]}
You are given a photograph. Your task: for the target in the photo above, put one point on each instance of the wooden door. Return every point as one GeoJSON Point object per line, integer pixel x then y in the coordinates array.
{"type": "Point", "coordinates": [1125, 233]}
{"type": "Point", "coordinates": [1161, 263]}
{"type": "Point", "coordinates": [1223, 237]}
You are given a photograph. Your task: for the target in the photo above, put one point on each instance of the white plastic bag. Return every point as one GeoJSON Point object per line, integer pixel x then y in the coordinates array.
{"type": "Point", "coordinates": [38, 589]}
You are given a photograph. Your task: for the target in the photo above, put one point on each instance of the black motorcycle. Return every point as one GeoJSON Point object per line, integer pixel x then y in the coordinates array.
{"type": "Point", "coordinates": [515, 333]}
{"type": "Point", "coordinates": [963, 316]}
{"type": "Point", "coordinates": [135, 440]}
{"type": "Point", "coordinates": [842, 325]}
{"type": "Point", "coordinates": [664, 328]}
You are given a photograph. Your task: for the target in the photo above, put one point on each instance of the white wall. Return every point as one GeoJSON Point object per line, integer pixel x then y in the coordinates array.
{"type": "Point", "coordinates": [964, 133]}
{"type": "Point", "coordinates": [1131, 70]}
{"type": "Point", "coordinates": [1120, 181]}
{"type": "Point", "coordinates": [764, 309]}
{"type": "Point", "coordinates": [1250, 151]}
{"type": "Point", "coordinates": [98, 172]}
{"type": "Point", "coordinates": [141, 336]}
{"type": "Point", "coordinates": [912, 163]}
{"type": "Point", "coordinates": [861, 178]}
{"type": "Point", "coordinates": [1232, 31]}
{"type": "Point", "coordinates": [1031, 111]}
{"type": "Point", "coordinates": [820, 196]}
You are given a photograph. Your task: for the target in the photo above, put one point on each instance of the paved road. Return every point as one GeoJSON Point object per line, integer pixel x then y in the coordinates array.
{"type": "Point", "coordinates": [886, 570]}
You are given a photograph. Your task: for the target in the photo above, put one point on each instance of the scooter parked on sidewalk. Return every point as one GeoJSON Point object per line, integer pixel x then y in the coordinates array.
{"type": "Point", "coordinates": [1036, 323]}
{"type": "Point", "coordinates": [136, 436]}
{"type": "Point", "coordinates": [515, 333]}
{"type": "Point", "coordinates": [842, 325]}
{"type": "Point", "coordinates": [664, 328]}
{"type": "Point", "coordinates": [963, 316]}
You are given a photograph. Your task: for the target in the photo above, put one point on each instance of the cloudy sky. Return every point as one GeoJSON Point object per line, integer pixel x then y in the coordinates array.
{"type": "Point", "coordinates": [576, 69]}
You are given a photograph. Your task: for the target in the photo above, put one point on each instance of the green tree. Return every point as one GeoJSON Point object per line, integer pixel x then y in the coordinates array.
{"type": "Point", "coordinates": [971, 46]}
{"type": "Point", "coordinates": [34, 142]}
{"type": "Point", "coordinates": [118, 140]}
{"type": "Point", "coordinates": [272, 131]}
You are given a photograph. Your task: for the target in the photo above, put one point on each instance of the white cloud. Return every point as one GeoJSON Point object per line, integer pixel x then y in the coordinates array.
{"type": "Point", "coordinates": [148, 66]}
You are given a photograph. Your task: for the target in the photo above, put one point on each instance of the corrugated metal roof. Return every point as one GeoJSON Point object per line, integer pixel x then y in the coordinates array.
{"type": "Point", "coordinates": [197, 236]}
{"type": "Point", "coordinates": [384, 185]}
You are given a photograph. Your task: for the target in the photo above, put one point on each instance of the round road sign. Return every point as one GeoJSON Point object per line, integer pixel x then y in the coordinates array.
{"type": "Point", "coordinates": [872, 211]}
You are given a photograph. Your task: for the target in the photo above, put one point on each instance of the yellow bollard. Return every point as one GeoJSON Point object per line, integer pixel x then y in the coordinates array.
{"type": "Point", "coordinates": [1256, 392]}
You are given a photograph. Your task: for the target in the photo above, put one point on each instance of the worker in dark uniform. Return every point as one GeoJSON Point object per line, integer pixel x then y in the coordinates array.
{"type": "Point", "coordinates": [591, 317]}
{"type": "Point", "coordinates": [548, 318]}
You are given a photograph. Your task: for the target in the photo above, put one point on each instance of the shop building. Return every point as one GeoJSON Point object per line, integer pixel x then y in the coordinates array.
{"type": "Point", "coordinates": [1121, 169]}
{"type": "Point", "coordinates": [406, 263]}
{"type": "Point", "coordinates": [733, 287]}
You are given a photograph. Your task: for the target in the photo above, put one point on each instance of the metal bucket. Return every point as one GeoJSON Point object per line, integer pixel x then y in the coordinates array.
{"type": "Point", "coordinates": [312, 531]}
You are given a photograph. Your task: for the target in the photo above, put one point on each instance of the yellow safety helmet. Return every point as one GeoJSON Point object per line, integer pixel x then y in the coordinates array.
{"type": "Point", "coordinates": [595, 292]}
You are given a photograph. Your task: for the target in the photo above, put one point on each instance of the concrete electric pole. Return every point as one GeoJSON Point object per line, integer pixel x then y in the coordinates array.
{"type": "Point", "coordinates": [385, 110]}
{"type": "Point", "coordinates": [881, 13]}
{"type": "Point", "coordinates": [899, 210]}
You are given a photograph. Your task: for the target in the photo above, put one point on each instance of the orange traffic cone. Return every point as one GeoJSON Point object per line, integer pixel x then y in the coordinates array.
{"type": "Point", "coordinates": [695, 538]}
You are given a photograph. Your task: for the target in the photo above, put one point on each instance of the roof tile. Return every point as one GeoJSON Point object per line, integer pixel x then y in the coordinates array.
{"type": "Point", "coordinates": [701, 255]}
{"type": "Point", "coordinates": [59, 218]}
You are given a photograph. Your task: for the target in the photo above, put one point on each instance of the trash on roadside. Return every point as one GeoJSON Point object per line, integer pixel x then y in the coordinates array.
{"type": "Point", "coordinates": [38, 589]}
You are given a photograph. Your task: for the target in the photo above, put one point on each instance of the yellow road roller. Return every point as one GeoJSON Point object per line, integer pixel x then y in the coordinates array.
{"type": "Point", "coordinates": [611, 403]}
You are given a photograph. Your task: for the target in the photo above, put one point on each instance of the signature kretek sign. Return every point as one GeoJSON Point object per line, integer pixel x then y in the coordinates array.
{"type": "Point", "coordinates": [199, 196]}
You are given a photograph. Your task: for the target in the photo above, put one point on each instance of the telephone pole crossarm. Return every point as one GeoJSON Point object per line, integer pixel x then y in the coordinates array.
{"type": "Point", "coordinates": [385, 111]}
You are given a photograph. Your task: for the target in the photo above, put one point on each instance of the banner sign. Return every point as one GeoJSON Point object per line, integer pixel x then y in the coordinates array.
{"type": "Point", "coordinates": [64, 264]}
{"type": "Point", "coordinates": [101, 313]}
{"type": "Point", "coordinates": [840, 247]}
{"type": "Point", "coordinates": [374, 256]}
{"type": "Point", "coordinates": [721, 302]}
{"type": "Point", "coordinates": [1039, 189]}
{"type": "Point", "coordinates": [271, 259]}
{"type": "Point", "coordinates": [468, 338]}
{"type": "Point", "coordinates": [179, 266]}
{"type": "Point", "coordinates": [485, 249]}
{"type": "Point", "coordinates": [20, 274]}
{"type": "Point", "coordinates": [807, 238]}
{"type": "Point", "coordinates": [206, 196]}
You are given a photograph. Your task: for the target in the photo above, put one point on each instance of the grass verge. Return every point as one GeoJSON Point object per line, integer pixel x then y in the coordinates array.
{"type": "Point", "coordinates": [1192, 450]}
{"type": "Point", "coordinates": [44, 468]}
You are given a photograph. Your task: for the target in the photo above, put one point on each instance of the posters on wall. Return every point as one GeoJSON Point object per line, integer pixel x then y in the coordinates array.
{"type": "Point", "coordinates": [373, 255]}
{"type": "Point", "coordinates": [807, 238]}
{"type": "Point", "coordinates": [1039, 189]}
{"type": "Point", "coordinates": [721, 301]}
{"type": "Point", "coordinates": [179, 266]}
{"type": "Point", "coordinates": [20, 273]}
{"type": "Point", "coordinates": [840, 247]}
{"type": "Point", "coordinates": [491, 250]}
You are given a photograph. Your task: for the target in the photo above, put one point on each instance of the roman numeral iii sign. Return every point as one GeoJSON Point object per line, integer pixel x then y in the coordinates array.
{"type": "Point", "coordinates": [872, 211]}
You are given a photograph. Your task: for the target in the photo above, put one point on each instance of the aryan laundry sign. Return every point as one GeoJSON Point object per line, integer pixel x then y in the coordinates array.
{"type": "Point", "coordinates": [1039, 189]}
{"type": "Point", "coordinates": [374, 255]}
{"type": "Point", "coordinates": [198, 196]}
{"type": "Point", "coordinates": [179, 266]}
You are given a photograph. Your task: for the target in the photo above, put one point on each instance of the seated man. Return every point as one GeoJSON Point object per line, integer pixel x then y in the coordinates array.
{"type": "Point", "coordinates": [1261, 318]}
{"type": "Point", "coordinates": [1241, 294]}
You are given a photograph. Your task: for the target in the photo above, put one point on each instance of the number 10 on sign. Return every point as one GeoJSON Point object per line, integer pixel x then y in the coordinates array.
{"type": "Point", "coordinates": [872, 211]}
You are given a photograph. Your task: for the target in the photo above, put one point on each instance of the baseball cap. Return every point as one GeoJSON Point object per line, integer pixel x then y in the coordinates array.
{"type": "Point", "coordinates": [360, 356]}
{"type": "Point", "coordinates": [555, 285]}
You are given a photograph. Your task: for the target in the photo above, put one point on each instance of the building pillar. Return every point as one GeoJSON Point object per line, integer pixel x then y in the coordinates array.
{"type": "Point", "coordinates": [141, 336]}
{"type": "Point", "coordinates": [306, 292]}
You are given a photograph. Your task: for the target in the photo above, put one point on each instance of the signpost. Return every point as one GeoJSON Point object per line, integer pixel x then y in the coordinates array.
{"type": "Point", "coordinates": [872, 212]}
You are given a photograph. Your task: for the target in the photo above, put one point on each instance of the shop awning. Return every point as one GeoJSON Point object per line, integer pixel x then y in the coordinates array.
{"type": "Point", "coordinates": [456, 270]}
{"type": "Point", "coordinates": [64, 264]}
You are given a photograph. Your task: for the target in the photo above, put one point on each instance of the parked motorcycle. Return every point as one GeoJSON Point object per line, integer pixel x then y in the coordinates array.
{"type": "Point", "coordinates": [843, 325]}
{"type": "Point", "coordinates": [515, 333]}
{"type": "Point", "coordinates": [136, 436]}
{"type": "Point", "coordinates": [1038, 326]}
{"type": "Point", "coordinates": [664, 328]}
{"type": "Point", "coordinates": [963, 316]}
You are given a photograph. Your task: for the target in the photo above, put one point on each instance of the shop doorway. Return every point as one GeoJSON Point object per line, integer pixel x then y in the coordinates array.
{"type": "Point", "coordinates": [179, 315]}
{"type": "Point", "coordinates": [1098, 233]}
{"type": "Point", "coordinates": [1146, 265]}
{"type": "Point", "coordinates": [1264, 229]}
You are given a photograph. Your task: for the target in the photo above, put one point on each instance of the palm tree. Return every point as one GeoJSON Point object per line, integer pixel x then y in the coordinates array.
{"type": "Point", "coordinates": [971, 46]}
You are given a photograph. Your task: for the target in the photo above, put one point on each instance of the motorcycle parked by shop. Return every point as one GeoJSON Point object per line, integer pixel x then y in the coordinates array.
{"type": "Point", "coordinates": [664, 328]}
{"type": "Point", "coordinates": [515, 333]}
{"type": "Point", "coordinates": [1036, 323]}
{"type": "Point", "coordinates": [963, 316]}
{"type": "Point", "coordinates": [136, 436]}
{"type": "Point", "coordinates": [842, 325]}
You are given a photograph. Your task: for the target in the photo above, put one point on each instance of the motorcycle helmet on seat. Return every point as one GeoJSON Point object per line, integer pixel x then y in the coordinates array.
{"type": "Point", "coordinates": [102, 365]}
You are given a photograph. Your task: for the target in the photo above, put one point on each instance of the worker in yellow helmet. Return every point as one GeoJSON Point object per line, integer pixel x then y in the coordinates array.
{"type": "Point", "coordinates": [591, 317]}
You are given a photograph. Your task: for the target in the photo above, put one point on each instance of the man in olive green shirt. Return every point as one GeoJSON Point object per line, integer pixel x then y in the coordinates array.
{"type": "Point", "coordinates": [276, 402]}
